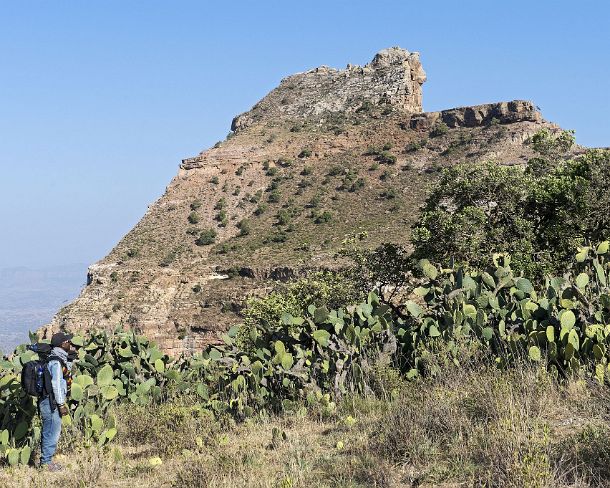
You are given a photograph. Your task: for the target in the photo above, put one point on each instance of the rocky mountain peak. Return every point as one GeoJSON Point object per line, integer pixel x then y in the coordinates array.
{"type": "Point", "coordinates": [394, 77]}
{"type": "Point", "coordinates": [325, 154]}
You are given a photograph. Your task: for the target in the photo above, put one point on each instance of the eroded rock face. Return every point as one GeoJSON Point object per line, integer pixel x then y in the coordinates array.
{"type": "Point", "coordinates": [159, 281]}
{"type": "Point", "coordinates": [478, 115]}
{"type": "Point", "coordinates": [394, 77]}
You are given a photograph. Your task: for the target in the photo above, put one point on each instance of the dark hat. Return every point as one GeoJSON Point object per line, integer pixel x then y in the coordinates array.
{"type": "Point", "coordinates": [59, 338]}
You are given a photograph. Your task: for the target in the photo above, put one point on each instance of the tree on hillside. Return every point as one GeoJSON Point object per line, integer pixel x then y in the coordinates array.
{"type": "Point", "coordinates": [538, 213]}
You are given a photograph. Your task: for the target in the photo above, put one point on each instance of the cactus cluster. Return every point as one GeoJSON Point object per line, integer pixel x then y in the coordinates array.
{"type": "Point", "coordinates": [123, 367]}
{"type": "Point", "coordinates": [319, 354]}
{"type": "Point", "coordinates": [566, 321]}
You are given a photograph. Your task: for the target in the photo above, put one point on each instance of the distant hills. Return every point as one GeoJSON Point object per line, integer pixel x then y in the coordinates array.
{"type": "Point", "coordinates": [30, 297]}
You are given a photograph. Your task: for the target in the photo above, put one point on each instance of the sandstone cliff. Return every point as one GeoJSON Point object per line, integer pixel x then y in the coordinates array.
{"type": "Point", "coordinates": [327, 153]}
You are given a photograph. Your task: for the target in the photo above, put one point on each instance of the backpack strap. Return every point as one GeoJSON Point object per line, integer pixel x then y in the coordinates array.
{"type": "Point", "coordinates": [53, 357]}
{"type": "Point", "coordinates": [48, 387]}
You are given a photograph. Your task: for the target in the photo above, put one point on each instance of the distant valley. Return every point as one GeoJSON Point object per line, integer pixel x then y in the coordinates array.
{"type": "Point", "coordinates": [30, 297]}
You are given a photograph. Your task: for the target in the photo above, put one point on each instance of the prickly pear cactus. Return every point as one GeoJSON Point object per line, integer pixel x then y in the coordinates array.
{"type": "Point", "coordinates": [320, 354]}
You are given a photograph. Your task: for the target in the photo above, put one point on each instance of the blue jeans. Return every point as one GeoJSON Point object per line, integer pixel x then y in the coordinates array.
{"type": "Point", "coordinates": [51, 428]}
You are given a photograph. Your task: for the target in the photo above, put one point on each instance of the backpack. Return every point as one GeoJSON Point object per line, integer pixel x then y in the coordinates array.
{"type": "Point", "coordinates": [33, 373]}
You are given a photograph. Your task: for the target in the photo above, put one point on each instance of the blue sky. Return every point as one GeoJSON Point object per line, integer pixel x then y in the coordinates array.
{"type": "Point", "coordinates": [99, 101]}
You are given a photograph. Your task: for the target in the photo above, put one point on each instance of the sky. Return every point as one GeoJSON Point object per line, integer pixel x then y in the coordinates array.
{"type": "Point", "coordinates": [100, 100]}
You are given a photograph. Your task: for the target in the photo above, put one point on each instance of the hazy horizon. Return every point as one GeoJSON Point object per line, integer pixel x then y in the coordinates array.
{"type": "Point", "coordinates": [29, 298]}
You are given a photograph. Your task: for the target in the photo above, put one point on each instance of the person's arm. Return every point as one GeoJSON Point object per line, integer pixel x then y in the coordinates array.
{"type": "Point", "coordinates": [56, 377]}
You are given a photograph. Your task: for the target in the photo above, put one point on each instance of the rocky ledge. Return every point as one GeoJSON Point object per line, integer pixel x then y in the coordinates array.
{"type": "Point", "coordinates": [477, 115]}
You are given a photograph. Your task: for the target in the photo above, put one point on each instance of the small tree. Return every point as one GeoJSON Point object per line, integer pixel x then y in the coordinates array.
{"type": "Point", "coordinates": [244, 227]}
{"type": "Point", "coordinates": [440, 129]}
{"type": "Point", "coordinates": [207, 237]}
{"type": "Point", "coordinates": [193, 218]}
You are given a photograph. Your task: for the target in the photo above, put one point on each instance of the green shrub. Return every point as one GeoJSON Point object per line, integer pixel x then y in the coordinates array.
{"type": "Point", "coordinates": [538, 215]}
{"type": "Point", "coordinates": [440, 129]}
{"type": "Point", "coordinates": [193, 218]}
{"type": "Point", "coordinates": [389, 194]}
{"type": "Point", "coordinates": [283, 217]}
{"type": "Point", "coordinates": [244, 227]}
{"type": "Point", "coordinates": [220, 204]}
{"type": "Point", "coordinates": [372, 151]}
{"type": "Point", "coordinates": [315, 201]}
{"type": "Point", "coordinates": [386, 157]}
{"type": "Point", "coordinates": [260, 209]}
{"type": "Point", "coordinates": [277, 237]}
{"type": "Point", "coordinates": [322, 289]}
{"type": "Point", "coordinates": [275, 196]}
{"type": "Point", "coordinates": [169, 258]}
{"type": "Point", "coordinates": [222, 218]}
{"type": "Point", "coordinates": [365, 107]}
{"type": "Point", "coordinates": [322, 217]}
{"type": "Point", "coordinates": [224, 248]}
{"type": "Point", "coordinates": [416, 145]}
{"type": "Point", "coordinates": [336, 170]}
{"type": "Point", "coordinates": [256, 197]}
{"type": "Point", "coordinates": [207, 237]}
{"type": "Point", "coordinates": [357, 185]}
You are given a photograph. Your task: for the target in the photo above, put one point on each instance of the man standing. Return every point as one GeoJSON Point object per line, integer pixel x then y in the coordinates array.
{"type": "Point", "coordinates": [53, 406]}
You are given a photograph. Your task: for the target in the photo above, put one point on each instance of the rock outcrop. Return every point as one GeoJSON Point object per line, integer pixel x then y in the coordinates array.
{"type": "Point", "coordinates": [327, 153]}
{"type": "Point", "coordinates": [394, 77]}
{"type": "Point", "coordinates": [477, 115]}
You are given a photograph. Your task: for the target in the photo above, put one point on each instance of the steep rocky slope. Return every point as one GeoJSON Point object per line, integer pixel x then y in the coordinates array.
{"type": "Point", "coordinates": [327, 153]}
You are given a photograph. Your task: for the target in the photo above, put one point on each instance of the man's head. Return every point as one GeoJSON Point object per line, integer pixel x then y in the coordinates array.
{"type": "Point", "coordinates": [62, 340]}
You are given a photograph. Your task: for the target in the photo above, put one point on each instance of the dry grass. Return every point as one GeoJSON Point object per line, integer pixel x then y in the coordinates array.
{"type": "Point", "coordinates": [486, 427]}
{"type": "Point", "coordinates": [476, 426]}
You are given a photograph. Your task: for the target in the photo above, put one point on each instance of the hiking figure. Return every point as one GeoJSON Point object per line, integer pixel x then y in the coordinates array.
{"type": "Point", "coordinates": [52, 405]}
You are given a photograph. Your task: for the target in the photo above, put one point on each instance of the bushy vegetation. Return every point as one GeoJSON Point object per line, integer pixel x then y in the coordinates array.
{"type": "Point", "coordinates": [293, 348]}
{"type": "Point", "coordinates": [193, 218]}
{"type": "Point", "coordinates": [244, 227]}
{"type": "Point", "coordinates": [538, 214]}
{"type": "Point", "coordinates": [439, 129]}
{"type": "Point", "coordinates": [206, 237]}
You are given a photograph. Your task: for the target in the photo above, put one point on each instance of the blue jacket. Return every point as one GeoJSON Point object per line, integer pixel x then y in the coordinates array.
{"type": "Point", "coordinates": [58, 383]}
